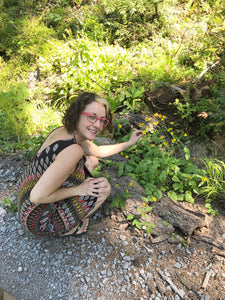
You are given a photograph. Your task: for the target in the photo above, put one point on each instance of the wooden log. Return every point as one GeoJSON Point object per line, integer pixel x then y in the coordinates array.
{"type": "Point", "coordinates": [186, 220]}
{"type": "Point", "coordinates": [210, 240]}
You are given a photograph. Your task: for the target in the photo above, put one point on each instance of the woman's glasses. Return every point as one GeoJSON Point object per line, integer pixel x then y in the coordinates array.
{"type": "Point", "coordinates": [93, 119]}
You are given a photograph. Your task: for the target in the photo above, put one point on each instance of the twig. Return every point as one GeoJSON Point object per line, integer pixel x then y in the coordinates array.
{"type": "Point", "coordinates": [203, 72]}
{"type": "Point", "coordinates": [176, 290]}
{"type": "Point", "coordinates": [206, 280]}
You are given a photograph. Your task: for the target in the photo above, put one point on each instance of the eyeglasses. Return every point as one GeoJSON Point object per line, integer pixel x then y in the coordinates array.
{"type": "Point", "coordinates": [93, 119]}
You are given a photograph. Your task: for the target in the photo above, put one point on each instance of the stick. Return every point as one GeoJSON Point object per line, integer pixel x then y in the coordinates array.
{"type": "Point", "coordinates": [180, 293]}
{"type": "Point", "coordinates": [206, 280]}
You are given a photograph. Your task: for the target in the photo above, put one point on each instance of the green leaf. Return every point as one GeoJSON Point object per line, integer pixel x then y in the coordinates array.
{"type": "Point", "coordinates": [130, 217]}
{"type": "Point", "coordinates": [188, 197]}
{"type": "Point", "coordinates": [172, 195]}
{"type": "Point", "coordinates": [187, 153]}
{"type": "Point", "coordinates": [137, 223]}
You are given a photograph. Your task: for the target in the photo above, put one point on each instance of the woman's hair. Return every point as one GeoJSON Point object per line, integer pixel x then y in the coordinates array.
{"type": "Point", "coordinates": [72, 115]}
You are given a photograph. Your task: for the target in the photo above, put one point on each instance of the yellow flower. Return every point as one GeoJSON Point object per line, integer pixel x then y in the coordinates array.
{"type": "Point", "coordinates": [120, 126]}
{"type": "Point", "coordinates": [126, 191]}
{"type": "Point", "coordinates": [190, 177]}
{"type": "Point", "coordinates": [143, 204]}
{"type": "Point", "coordinates": [144, 132]}
{"type": "Point", "coordinates": [131, 183]}
{"type": "Point", "coordinates": [147, 119]}
{"type": "Point", "coordinates": [156, 123]}
{"type": "Point", "coordinates": [171, 123]}
{"type": "Point", "coordinates": [203, 179]}
{"type": "Point", "coordinates": [171, 133]}
{"type": "Point", "coordinates": [156, 114]}
{"type": "Point", "coordinates": [154, 198]}
{"type": "Point", "coordinates": [160, 116]}
{"type": "Point", "coordinates": [153, 145]}
{"type": "Point", "coordinates": [173, 140]}
{"type": "Point", "coordinates": [185, 134]}
{"type": "Point", "coordinates": [165, 143]}
{"type": "Point", "coordinates": [126, 156]}
{"type": "Point", "coordinates": [141, 124]}
{"type": "Point", "coordinates": [194, 157]}
{"type": "Point", "coordinates": [170, 129]}
{"type": "Point", "coordinates": [121, 153]}
{"type": "Point", "coordinates": [162, 137]}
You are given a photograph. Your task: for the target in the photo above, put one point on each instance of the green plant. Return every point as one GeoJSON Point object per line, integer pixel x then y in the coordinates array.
{"type": "Point", "coordinates": [9, 204]}
{"type": "Point", "coordinates": [139, 219]}
{"type": "Point", "coordinates": [152, 162]}
{"type": "Point", "coordinates": [212, 184]}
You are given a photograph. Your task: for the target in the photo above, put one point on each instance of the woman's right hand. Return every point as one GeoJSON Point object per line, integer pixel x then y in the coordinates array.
{"type": "Point", "coordinates": [93, 187]}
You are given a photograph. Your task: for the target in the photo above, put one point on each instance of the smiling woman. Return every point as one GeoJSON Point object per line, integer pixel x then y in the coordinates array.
{"type": "Point", "coordinates": [57, 192]}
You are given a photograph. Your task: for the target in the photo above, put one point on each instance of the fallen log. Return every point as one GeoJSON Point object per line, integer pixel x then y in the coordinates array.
{"type": "Point", "coordinates": [186, 220]}
{"type": "Point", "coordinates": [210, 240]}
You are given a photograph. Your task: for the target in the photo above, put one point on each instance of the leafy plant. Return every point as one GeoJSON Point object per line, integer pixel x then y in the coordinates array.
{"type": "Point", "coordinates": [9, 204]}
{"type": "Point", "coordinates": [213, 179]}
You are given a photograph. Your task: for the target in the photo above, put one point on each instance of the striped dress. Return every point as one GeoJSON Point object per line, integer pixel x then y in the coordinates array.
{"type": "Point", "coordinates": [56, 218]}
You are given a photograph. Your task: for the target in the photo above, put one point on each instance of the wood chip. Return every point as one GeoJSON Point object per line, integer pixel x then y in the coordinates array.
{"type": "Point", "coordinates": [206, 280]}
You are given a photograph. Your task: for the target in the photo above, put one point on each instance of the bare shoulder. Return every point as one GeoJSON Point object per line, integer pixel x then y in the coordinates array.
{"type": "Point", "coordinates": [71, 153]}
{"type": "Point", "coordinates": [89, 147]}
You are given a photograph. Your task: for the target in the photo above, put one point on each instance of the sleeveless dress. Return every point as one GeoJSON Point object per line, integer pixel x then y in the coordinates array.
{"type": "Point", "coordinates": [57, 218]}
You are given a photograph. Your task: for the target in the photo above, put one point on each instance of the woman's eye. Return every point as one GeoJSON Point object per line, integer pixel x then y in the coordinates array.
{"type": "Point", "coordinates": [92, 118]}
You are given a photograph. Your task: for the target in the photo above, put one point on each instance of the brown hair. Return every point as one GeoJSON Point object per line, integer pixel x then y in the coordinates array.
{"type": "Point", "coordinates": [71, 117]}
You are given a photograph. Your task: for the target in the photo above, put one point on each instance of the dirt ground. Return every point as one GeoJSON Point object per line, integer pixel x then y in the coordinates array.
{"type": "Point", "coordinates": [194, 264]}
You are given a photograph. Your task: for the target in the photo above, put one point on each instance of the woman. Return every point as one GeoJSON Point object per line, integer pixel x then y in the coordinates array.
{"type": "Point", "coordinates": [57, 193]}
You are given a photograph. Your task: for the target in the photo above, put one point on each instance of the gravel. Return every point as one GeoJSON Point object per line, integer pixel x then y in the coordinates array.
{"type": "Point", "coordinates": [106, 264]}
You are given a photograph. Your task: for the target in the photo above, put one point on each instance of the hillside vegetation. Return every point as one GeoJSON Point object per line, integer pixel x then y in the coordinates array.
{"type": "Point", "coordinates": [125, 50]}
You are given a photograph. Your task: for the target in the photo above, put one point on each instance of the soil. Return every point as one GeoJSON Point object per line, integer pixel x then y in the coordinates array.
{"type": "Point", "coordinates": [188, 260]}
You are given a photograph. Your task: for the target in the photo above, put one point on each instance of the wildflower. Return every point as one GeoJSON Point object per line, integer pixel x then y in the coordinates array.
{"type": "Point", "coordinates": [120, 126]}
{"type": "Point", "coordinates": [116, 185]}
{"type": "Point", "coordinates": [121, 153]}
{"type": "Point", "coordinates": [153, 145]}
{"type": "Point", "coordinates": [171, 133]}
{"type": "Point", "coordinates": [131, 183]}
{"type": "Point", "coordinates": [156, 114]}
{"type": "Point", "coordinates": [144, 132]}
{"type": "Point", "coordinates": [156, 123]}
{"type": "Point", "coordinates": [126, 156]}
{"type": "Point", "coordinates": [203, 179]}
{"type": "Point", "coordinates": [141, 124]}
{"type": "Point", "coordinates": [154, 198]}
{"type": "Point", "coordinates": [170, 129]}
{"type": "Point", "coordinates": [143, 204]}
{"type": "Point", "coordinates": [165, 143]}
{"type": "Point", "coordinates": [194, 157]}
{"type": "Point", "coordinates": [190, 177]}
{"type": "Point", "coordinates": [162, 137]}
{"type": "Point", "coordinates": [160, 116]}
{"type": "Point", "coordinates": [147, 119]}
{"type": "Point", "coordinates": [185, 238]}
{"type": "Point", "coordinates": [126, 191]}
{"type": "Point", "coordinates": [171, 123]}
{"type": "Point", "coordinates": [173, 140]}
{"type": "Point", "coordinates": [185, 134]}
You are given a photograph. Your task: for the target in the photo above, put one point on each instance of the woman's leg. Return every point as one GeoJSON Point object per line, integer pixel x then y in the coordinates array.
{"type": "Point", "coordinates": [91, 163]}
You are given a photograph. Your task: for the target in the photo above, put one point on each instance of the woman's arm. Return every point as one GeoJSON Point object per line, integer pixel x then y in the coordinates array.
{"type": "Point", "coordinates": [48, 188]}
{"type": "Point", "coordinates": [108, 150]}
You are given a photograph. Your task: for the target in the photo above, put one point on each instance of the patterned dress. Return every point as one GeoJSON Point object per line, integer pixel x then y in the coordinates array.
{"type": "Point", "coordinates": [57, 218]}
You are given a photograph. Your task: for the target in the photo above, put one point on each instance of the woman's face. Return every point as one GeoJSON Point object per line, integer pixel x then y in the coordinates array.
{"type": "Point", "coordinates": [87, 129]}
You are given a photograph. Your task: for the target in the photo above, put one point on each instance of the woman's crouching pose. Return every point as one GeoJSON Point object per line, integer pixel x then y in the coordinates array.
{"type": "Point", "coordinates": [57, 193]}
